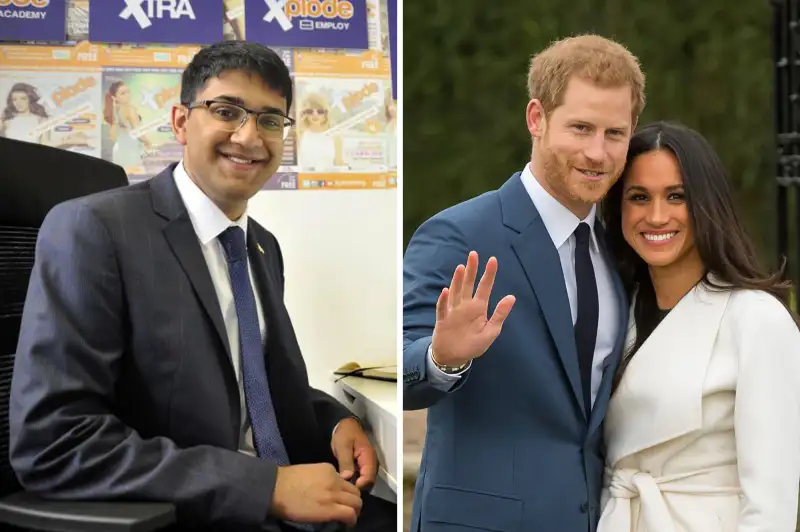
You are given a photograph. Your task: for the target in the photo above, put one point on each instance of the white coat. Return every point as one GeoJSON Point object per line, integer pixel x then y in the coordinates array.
{"type": "Point", "coordinates": [703, 433]}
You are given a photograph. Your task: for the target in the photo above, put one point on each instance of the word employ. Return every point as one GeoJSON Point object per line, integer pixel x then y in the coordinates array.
{"type": "Point", "coordinates": [156, 9]}
{"type": "Point", "coordinates": [29, 15]}
{"type": "Point", "coordinates": [283, 11]}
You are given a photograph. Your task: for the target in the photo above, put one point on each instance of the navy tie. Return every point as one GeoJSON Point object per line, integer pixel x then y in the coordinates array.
{"type": "Point", "coordinates": [266, 435]}
{"type": "Point", "coordinates": [588, 311]}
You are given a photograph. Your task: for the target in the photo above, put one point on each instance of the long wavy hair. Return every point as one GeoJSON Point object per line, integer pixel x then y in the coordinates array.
{"type": "Point", "coordinates": [727, 254]}
{"type": "Point", "coordinates": [33, 101]}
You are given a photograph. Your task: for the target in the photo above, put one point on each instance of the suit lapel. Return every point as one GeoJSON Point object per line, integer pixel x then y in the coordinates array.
{"type": "Point", "coordinates": [539, 259]}
{"type": "Point", "coordinates": [612, 361]}
{"type": "Point", "coordinates": [182, 239]}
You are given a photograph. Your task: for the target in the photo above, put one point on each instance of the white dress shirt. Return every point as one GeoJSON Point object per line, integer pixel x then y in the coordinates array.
{"type": "Point", "coordinates": [561, 223]}
{"type": "Point", "coordinates": [209, 222]}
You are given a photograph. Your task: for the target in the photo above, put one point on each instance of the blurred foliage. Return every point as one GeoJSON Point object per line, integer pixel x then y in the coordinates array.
{"type": "Point", "coordinates": [708, 65]}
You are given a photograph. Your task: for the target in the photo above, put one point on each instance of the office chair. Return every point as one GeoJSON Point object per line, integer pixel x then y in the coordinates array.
{"type": "Point", "coordinates": [33, 179]}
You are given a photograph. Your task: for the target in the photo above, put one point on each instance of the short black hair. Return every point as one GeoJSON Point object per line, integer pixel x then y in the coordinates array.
{"type": "Point", "coordinates": [253, 58]}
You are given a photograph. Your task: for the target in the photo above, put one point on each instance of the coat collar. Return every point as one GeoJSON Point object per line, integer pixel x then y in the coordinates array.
{"type": "Point", "coordinates": [660, 395]}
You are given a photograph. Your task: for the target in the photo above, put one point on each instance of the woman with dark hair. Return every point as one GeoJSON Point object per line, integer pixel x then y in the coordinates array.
{"type": "Point", "coordinates": [23, 115]}
{"type": "Point", "coordinates": [703, 427]}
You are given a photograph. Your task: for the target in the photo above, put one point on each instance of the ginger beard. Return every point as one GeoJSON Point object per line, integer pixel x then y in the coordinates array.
{"type": "Point", "coordinates": [564, 177]}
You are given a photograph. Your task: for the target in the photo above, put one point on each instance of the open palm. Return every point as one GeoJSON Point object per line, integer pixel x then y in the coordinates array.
{"type": "Point", "coordinates": [463, 329]}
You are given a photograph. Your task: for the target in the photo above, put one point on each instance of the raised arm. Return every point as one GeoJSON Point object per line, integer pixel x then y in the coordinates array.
{"type": "Point", "coordinates": [445, 319]}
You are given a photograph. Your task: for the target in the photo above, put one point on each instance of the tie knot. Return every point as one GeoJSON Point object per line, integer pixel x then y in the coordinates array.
{"type": "Point", "coordinates": [233, 242]}
{"type": "Point", "coordinates": [582, 235]}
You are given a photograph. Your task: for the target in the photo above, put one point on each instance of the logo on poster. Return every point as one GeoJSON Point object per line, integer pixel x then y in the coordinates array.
{"type": "Point", "coordinates": [156, 9]}
{"type": "Point", "coordinates": [22, 12]}
{"type": "Point", "coordinates": [283, 11]}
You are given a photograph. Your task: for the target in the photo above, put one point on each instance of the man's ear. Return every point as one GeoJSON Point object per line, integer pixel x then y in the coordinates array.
{"type": "Point", "coordinates": [535, 118]}
{"type": "Point", "coordinates": [180, 115]}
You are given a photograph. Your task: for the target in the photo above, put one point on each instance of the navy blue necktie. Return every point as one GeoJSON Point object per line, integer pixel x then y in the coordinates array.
{"type": "Point", "coordinates": [266, 435]}
{"type": "Point", "coordinates": [588, 311]}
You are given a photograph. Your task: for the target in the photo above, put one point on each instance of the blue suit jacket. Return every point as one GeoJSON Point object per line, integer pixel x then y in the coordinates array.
{"type": "Point", "coordinates": [509, 447]}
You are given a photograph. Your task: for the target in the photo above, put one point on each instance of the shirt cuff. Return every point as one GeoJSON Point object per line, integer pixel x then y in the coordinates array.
{"type": "Point", "coordinates": [438, 378]}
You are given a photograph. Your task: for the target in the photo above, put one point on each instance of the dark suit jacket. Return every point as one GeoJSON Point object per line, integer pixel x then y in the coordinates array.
{"type": "Point", "coordinates": [123, 386]}
{"type": "Point", "coordinates": [509, 448]}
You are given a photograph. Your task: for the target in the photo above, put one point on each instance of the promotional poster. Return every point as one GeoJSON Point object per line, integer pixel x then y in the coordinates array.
{"type": "Point", "coordinates": [139, 89]}
{"type": "Point", "coordinates": [345, 120]}
{"type": "Point", "coordinates": [50, 95]}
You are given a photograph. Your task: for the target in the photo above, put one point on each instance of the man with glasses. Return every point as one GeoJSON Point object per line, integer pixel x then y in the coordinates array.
{"type": "Point", "coordinates": [157, 360]}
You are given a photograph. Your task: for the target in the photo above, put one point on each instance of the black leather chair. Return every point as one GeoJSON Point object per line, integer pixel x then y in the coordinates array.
{"type": "Point", "coordinates": [33, 179]}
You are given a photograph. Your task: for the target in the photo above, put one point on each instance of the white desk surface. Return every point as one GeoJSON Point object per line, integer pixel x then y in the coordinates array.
{"type": "Point", "coordinates": [381, 393]}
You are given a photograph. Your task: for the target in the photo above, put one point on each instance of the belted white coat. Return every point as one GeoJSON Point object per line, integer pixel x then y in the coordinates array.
{"type": "Point", "coordinates": [703, 433]}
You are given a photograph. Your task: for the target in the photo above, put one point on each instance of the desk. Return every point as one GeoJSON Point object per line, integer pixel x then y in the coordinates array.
{"type": "Point", "coordinates": [375, 403]}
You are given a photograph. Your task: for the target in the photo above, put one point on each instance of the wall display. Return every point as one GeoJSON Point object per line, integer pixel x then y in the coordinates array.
{"type": "Point", "coordinates": [114, 100]}
{"type": "Point", "coordinates": [51, 94]}
{"type": "Point", "coordinates": [33, 20]}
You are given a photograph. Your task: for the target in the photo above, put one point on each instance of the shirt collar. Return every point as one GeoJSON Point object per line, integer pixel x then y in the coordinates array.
{"type": "Point", "coordinates": [559, 221]}
{"type": "Point", "coordinates": [207, 219]}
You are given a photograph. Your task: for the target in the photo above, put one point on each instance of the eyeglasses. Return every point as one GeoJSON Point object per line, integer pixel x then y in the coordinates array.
{"type": "Point", "coordinates": [232, 116]}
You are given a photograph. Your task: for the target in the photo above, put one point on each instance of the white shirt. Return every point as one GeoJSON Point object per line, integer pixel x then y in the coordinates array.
{"type": "Point", "coordinates": [561, 223]}
{"type": "Point", "coordinates": [209, 222]}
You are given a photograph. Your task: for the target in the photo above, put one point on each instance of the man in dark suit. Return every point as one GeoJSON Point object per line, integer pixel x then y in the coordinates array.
{"type": "Point", "coordinates": [514, 439]}
{"type": "Point", "coordinates": [157, 360]}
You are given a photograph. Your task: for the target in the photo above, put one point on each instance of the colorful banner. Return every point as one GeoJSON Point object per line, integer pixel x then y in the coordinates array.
{"type": "Point", "coordinates": [50, 96]}
{"type": "Point", "coordinates": [392, 9]}
{"type": "Point", "coordinates": [33, 20]}
{"type": "Point", "coordinates": [346, 120]}
{"type": "Point", "coordinates": [156, 21]}
{"type": "Point", "coordinates": [139, 88]}
{"type": "Point", "coordinates": [308, 23]}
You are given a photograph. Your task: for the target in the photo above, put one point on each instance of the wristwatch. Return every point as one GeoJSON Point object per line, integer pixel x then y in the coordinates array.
{"type": "Point", "coordinates": [450, 370]}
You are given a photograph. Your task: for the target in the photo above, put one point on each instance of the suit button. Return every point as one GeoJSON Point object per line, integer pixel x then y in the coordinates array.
{"type": "Point", "coordinates": [585, 507]}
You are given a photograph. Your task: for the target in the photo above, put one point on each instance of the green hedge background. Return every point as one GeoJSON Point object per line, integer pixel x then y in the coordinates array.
{"type": "Point", "coordinates": [708, 64]}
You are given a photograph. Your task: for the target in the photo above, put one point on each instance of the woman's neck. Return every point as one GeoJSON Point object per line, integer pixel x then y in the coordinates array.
{"type": "Point", "coordinates": [674, 281]}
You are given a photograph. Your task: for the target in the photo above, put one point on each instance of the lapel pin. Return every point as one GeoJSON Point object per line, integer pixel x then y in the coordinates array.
{"type": "Point", "coordinates": [260, 248]}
